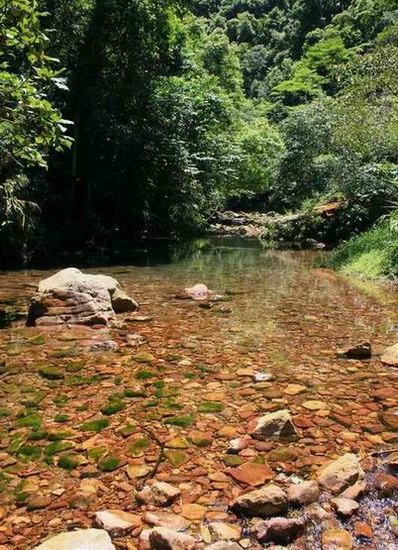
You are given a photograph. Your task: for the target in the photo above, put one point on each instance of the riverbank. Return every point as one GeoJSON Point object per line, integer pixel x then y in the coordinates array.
{"type": "Point", "coordinates": [177, 397]}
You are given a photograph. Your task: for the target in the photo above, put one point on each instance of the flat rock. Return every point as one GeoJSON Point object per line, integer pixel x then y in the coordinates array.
{"type": "Point", "coordinates": [159, 494]}
{"type": "Point", "coordinates": [83, 539]}
{"type": "Point", "coordinates": [276, 424]}
{"type": "Point", "coordinates": [161, 538]}
{"type": "Point", "coordinates": [390, 356]}
{"type": "Point", "coordinates": [390, 419]}
{"type": "Point", "coordinates": [278, 530]}
{"type": "Point", "coordinates": [251, 474]}
{"type": "Point", "coordinates": [385, 484]}
{"type": "Point", "coordinates": [167, 520]}
{"type": "Point", "coordinates": [345, 507]}
{"type": "Point", "coordinates": [224, 545]}
{"type": "Point", "coordinates": [337, 539]}
{"type": "Point", "coordinates": [315, 405]}
{"type": "Point", "coordinates": [117, 522]}
{"type": "Point", "coordinates": [267, 501]}
{"type": "Point", "coordinates": [224, 531]}
{"type": "Point", "coordinates": [339, 474]}
{"type": "Point", "coordinates": [303, 493]}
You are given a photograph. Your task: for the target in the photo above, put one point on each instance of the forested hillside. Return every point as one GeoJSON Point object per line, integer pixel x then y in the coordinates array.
{"type": "Point", "coordinates": [126, 118]}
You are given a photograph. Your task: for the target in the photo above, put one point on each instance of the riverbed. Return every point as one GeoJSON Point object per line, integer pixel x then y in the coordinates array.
{"type": "Point", "coordinates": [189, 376]}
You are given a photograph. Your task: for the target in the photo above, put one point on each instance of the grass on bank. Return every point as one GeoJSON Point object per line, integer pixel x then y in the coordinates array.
{"type": "Point", "coordinates": [373, 254]}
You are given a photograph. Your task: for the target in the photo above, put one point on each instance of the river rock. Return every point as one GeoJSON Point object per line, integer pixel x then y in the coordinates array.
{"type": "Point", "coordinates": [339, 474]}
{"type": "Point", "coordinates": [165, 519]}
{"type": "Point", "coordinates": [224, 545]}
{"type": "Point", "coordinates": [267, 501]}
{"type": "Point", "coordinates": [303, 493]}
{"type": "Point", "coordinates": [278, 530]}
{"type": "Point", "coordinates": [161, 538]}
{"type": "Point", "coordinates": [385, 484]}
{"type": "Point", "coordinates": [224, 531]}
{"type": "Point", "coordinates": [337, 539]}
{"type": "Point", "coordinates": [344, 506]}
{"type": "Point", "coordinates": [159, 494]}
{"type": "Point", "coordinates": [390, 356]}
{"type": "Point", "coordinates": [354, 492]}
{"type": "Point", "coordinates": [251, 474]}
{"type": "Point", "coordinates": [276, 424]}
{"type": "Point", "coordinates": [117, 522]}
{"type": "Point", "coordinates": [73, 297]}
{"type": "Point", "coordinates": [83, 539]}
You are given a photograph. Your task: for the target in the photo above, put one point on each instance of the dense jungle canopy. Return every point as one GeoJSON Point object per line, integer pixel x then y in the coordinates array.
{"type": "Point", "coordinates": [126, 118]}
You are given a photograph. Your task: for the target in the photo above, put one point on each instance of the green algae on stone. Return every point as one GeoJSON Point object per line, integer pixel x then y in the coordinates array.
{"type": "Point", "coordinates": [200, 439]}
{"type": "Point", "coordinates": [95, 425]}
{"type": "Point", "coordinates": [37, 435]}
{"type": "Point", "coordinates": [57, 447]}
{"type": "Point", "coordinates": [181, 421]}
{"type": "Point", "coordinates": [144, 357]}
{"type": "Point", "coordinates": [74, 366]}
{"type": "Point", "coordinates": [127, 429]}
{"type": "Point", "coordinates": [175, 457]}
{"type": "Point", "coordinates": [144, 374]}
{"type": "Point", "coordinates": [283, 454]}
{"type": "Point", "coordinates": [4, 412]}
{"type": "Point", "coordinates": [112, 407]}
{"type": "Point", "coordinates": [138, 446]}
{"type": "Point", "coordinates": [70, 352]}
{"type": "Point", "coordinates": [210, 407]}
{"type": "Point", "coordinates": [96, 453]}
{"type": "Point", "coordinates": [60, 399]}
{"type": "Point", "coordinates": [61, 418]}
{"type": "Point", "coordinates": [51, 373]}
{"type": "Point", "coordinates": [70, 462]}
{"type": "Point", "coordinates": [37, 340]}
{"type": "Point", "coordinates": [81, 380]}
{"type": "Point", "coordinates": [109, 463]}
{"type": "Point", "coordinates": [29, 452]}
{"type": "Point", "coordinates": [58, 436]}
{"type": "Point", "coordinates": [34, 400]}
{"type": "Point", "coordinates": [32, 420]}
{"type": "Point", "coordinates": [82, 407]}
{"type": "Point", "coordinates": [233, 460]}
{"type": "Point", "coordinates": [131, 392]}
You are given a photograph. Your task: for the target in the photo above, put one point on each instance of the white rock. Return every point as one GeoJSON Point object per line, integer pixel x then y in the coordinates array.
{"type": "Point", "coordinates": [339, 474]}
{"type": "Point", "coordinates": [117, 522]}
{"type": "Point", "coordinates": [276, 424]}
{"type": "Point", "coordinates": [83, 539]}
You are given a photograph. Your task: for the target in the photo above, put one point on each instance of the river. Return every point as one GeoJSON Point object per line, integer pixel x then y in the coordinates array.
{"type": "Point", "coordinates": [281, 316]}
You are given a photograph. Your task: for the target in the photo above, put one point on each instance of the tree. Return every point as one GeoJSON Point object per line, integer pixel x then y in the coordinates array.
{"type": "Point", "coordinates": [30, 125]}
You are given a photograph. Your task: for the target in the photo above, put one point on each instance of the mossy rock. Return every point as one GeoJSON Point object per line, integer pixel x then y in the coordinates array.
{"type": "Point", "coordinates": [210, 407]}
{"type": "Point", "coordinates": [96, 453]}
{"type": "Point", "coordinates": [144, 374]}
{"type": "Point", "coordinates": [51, 373]}
{"type": "Point", "coordinates": [127, 429]}
{"type": "Point", "coordinates": [70, 462]}
{"type": "Point", "coordinates": [37, 340]}
{"type": "Point", "coordinates": [61, 418]}
{"type": "Point", "coordinates": [61, 399]}
{"type": "Point", "coordinates": [81, 380]}
{"type": "Point", "coordinates": [176, 458]}
{"type": "Point", "coordinates": [109, 463]}
{"type": "Point", "coordinates": [29, 452]}
{"type": "Point", "coordinates": [81, 408]}
{"type": "Point", "coordinates": [138, 446]}
{"type": "Point", "coordinates": [173, 405]}
{"type": "Point", "coordinates": [4, 413]}
{"type": "Point", "coordinates": [59, 436]}
{"type": "Point", "coordinates": [74, 366]}
{"type": "Point", "coordinates": [131, 393]}
{"type": "Point", "coordinates": [70, 352]}
{"type": "Point", "coordinates": [233, 460]}
{"type": "Point", "coordinates": [16, 440]}
{"type": "Point", "coordinates": [58, 447]}
{"type": "Point", "coordinates": [181, 421]}
{"type": "Point", "coordinates": [32, 420]}
{"type": "Point", "coordinates": [283, 454]}
{"type": "Point", "coordinates": [112, 407]}
{"type": "Point", "coordinates": [95, 425]}
{"type": "Point", "coordinates": [37, 435]}
{"type": "Point", "coordinates": [34, 400]}
{"type": "Point", "coordinates": [144, 357]}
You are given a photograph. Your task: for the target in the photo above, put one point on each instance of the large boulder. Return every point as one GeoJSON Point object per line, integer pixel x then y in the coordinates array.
{"type": "Point", "coordinates": [73, 297]}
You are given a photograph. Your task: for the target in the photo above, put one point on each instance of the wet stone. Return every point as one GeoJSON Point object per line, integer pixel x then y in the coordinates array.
{"type": "Point", "coordinates": [345, 507]}
{"type": "Point", "coordinates": [337, 539]}
{"type": "Point", "coordinates": [251, 474]}
{"type": "Point", "coordinates": [278, 530]}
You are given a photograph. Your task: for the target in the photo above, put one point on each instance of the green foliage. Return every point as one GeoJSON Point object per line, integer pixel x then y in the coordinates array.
{"type": "Point", "coordinates": [29, 123]}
